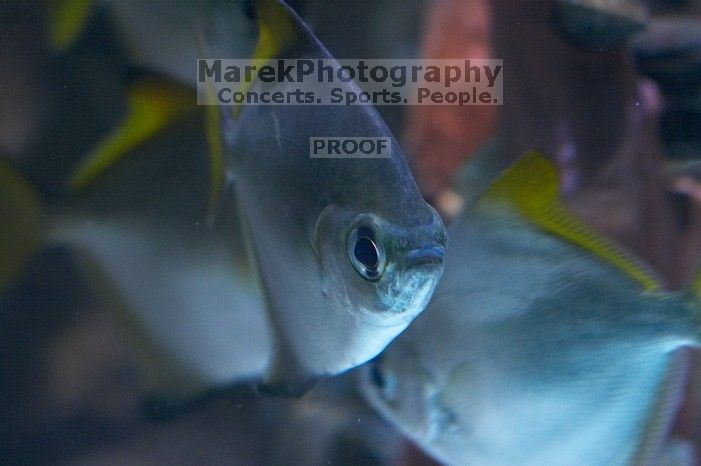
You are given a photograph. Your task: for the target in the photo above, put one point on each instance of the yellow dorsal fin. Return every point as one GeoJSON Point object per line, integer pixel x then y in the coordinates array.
{"type": "Point", "coordinates": [67, 18]}
{"type": "Point", "coordinates": [20, 211]}
{"type": "Point", "coordinates": [153, 104]}
{"type": "Point", "coordinates": [531, 187]}
{"type": "Point", "coordinates": [214, 141]}
{"type": "Point", "coordinates": [216, 156]}
{"type": "Point", "coordinates": [277, 30]}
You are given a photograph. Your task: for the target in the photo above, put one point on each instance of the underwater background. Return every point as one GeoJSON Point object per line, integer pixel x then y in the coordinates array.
{"type": "Point", "coordinates": [610, 94]}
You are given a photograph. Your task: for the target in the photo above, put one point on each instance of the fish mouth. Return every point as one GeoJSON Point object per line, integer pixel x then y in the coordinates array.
{"type": "Point", "coordinates": [410, 290]}
{"type": "Point", "coordinates": [426, 255]}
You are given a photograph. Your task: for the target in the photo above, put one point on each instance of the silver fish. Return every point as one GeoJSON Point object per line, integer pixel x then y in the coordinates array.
{"type": "Point", "coordinates": [544, 343]}
{"type": "Point", "coordinates": [185, 289]}
{"type": "Point", "coordinates": [166, 43]}
{"type": "Point", "coordinates": [347, 249]}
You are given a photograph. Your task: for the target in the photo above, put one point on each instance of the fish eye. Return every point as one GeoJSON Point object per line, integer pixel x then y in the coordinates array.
{"type": "Point", "coordinates": [383, 379]}
{"type": "Point", "coordinates": [376, 376]}
{"type": "Point", "coordinates": [365, 253]}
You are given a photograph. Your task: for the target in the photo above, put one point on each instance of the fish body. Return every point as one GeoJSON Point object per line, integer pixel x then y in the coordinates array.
{"type": "Point", "coordinates": [164, 36]}
{"type": "Point", "coordinates": [184, 287]}
{"type": "Point", "coordinates": [311, 219]}
{"type": "Point", "coordinates": [534, 350]}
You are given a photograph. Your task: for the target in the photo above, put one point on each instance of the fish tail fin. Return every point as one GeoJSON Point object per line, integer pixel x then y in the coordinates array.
{"type": "Point", "coordinates": [153, 103]}
{"type": "Point", "coordinates": [67, 19]}
{"type": "Point", "coordinates": [20, 227]}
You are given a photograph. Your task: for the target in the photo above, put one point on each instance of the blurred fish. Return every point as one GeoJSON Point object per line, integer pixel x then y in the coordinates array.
{"type": "Point", "coordinates": [545, 343]}
{"type": "Point", "coordinates": [160, 35]}
{"type": "Point", "coordinates": [137, 223]}
{"type": "Point", "coordinates": [66, 20]}
{"type": "Point", "coordinates": [347, 249]}
{"type": "Point", "coordinates": [597, 24]}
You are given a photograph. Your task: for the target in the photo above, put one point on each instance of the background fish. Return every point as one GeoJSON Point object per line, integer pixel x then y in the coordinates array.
{"type": "Point", "coordinates": [347, 249]}
{"type": "Point", "coordinates": [183, 288]}
{"type": "Point", "coordinates": [161, 35]}
{"type": "Point", "coordinates": [544, 343]}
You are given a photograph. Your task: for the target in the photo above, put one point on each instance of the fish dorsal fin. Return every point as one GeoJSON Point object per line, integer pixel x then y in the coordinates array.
{"type": "Point", "coordinates": [153, 103]}
{"type": "Point", "coordinates": [215, 144]}
{"type": "Point", "coordinates": [67, 19]}
{"type": "Point", "coordinates": [531, 188]}
{"type": "Point", "coordinates": [279, 28]}
{"type": "Point", "coordinates": [216, 158]}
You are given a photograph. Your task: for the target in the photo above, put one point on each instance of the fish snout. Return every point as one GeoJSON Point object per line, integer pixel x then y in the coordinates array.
{"type": "Point", "coordinates": [409, 289]}
{"type": "Point", "coordinates": [426, 255]}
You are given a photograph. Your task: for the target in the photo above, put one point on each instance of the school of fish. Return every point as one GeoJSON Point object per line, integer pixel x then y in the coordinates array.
{"type": "Point", "coordinates": [230, 255]}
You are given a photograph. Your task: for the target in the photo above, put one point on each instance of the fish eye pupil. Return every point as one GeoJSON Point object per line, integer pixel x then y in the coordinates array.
{"type": "Point", "coordinates": [366, 253]}
{"type": "Point", "coordinates": [377, 377]}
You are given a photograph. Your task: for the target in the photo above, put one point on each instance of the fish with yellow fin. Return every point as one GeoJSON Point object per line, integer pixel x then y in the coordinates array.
{"type": "Point", "coordinates": [347, 249]}
{"type": "Point", "coordinates": [250, 260]}
{"type": "Point", "coordinates": [136, 222]}
{"type": "Point", "coordinates": [159, 35]}
{"type": "Point", "coordinates": [544, 343]}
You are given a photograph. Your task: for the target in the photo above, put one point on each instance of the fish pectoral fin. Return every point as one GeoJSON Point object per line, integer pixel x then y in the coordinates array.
{"type": "Point", "coordinates": [20, 227]}
{"type": "Point", "coordinates": [67, 19]}
{"type": "Point", "coordinates": [530, 188]}
{"type": "Point", "coordinates": [153, 103]}
{"type": "Point", "coordinates": [285, 378]}
{"type": "Point", "coordinates": [159, 408]}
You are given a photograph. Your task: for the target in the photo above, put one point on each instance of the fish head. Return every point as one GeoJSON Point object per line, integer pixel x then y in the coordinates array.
{"type": "Point", "coordinates": [371, 257]}
{"type": "Point", "coordinates": [370, 276]}
{"type": "Point", "coordinates": [429, 397]}
{"type": "Point", "coordinates": [382, 271]}
{"type": "Point", "coordinates": [404, 392]}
